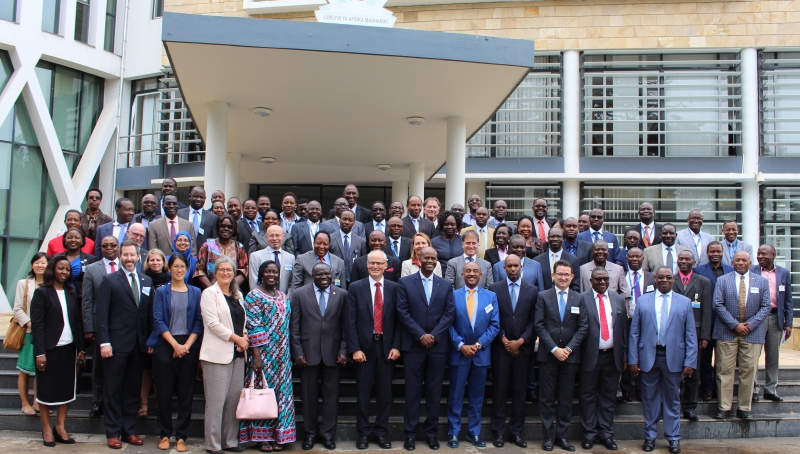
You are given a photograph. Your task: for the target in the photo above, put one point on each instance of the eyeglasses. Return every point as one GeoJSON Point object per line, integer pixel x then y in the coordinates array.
{"type": "Point", "coordinates": [149, 202]}
{"type": "Point", "coordinates": [224, 271]}
{"type": "Point", "coordinates": [563, 274]}
{"type": "Point", "coordinates": [376, 263]}
{"type": "Point", "coordinates": [135, 235]}
{"type": "Point", "coordinates": [601, 279]}
{"type": "Point", "coordinates": [595, 216]}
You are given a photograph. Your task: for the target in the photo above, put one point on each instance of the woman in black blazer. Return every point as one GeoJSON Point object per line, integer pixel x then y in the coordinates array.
{"type": "Point", "coordinates": [57, 329]}
{"type": "Point", "coordinates": [501, 235]}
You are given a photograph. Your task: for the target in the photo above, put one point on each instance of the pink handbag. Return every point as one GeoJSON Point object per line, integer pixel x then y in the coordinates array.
{"type": "Point", "coordinates": [255, 404]}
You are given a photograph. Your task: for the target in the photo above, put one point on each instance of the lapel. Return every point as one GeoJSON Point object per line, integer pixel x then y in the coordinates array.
{"type": "Point", "coordinates": [461, 303]}
{"type": "Point", "coordinates": [504, 297]}
{"type": "Point", "coordinates": [653, 313]}
{"type": "Point", "coordinates": [757, 296]}
{"type": "Point", "coordinates": [671, 309]}
{"type": "Point", "coordinates": [421, 288]}
{"type": "Point", "coordinates": [690, 290]}
{"type": "Point", "coordinates": [591, 307]}
{"type": "Point", "coordinates": [123, 278]}
{"type": "Point", "coordinates": [337, 238]}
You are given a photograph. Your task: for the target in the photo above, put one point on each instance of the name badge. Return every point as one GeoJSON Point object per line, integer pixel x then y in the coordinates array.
{"type": "Point", "coordinates": [287, 267]}
{"type": "Point", "coordinates": [574, 310]}
{"type": "Point", "coordinates": [611, 245]}
{"type": "Point", "coordinates": [781, 288]}
{"type": "Point", "coordinates": [146, 290]}
{"type": "Point", "coordinates": [337, 282]}
{"type": "Point", "coordinates": [201, 231]}
{"type": "Point", "coordinates": [754, 290]}
{"type": "Point", "coordinates": [695, 304]}
{"type": "Point", "coordinates": [488, 308]}
{"type": "Point", "coordinates": [649, 289]}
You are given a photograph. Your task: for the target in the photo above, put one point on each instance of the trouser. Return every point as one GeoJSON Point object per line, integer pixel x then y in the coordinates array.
{"type": "Point", "coordinates": [691, 385]}
{"type": "Point", "coordinates": [315, 381]}
{"type": "Point", "coordinates": [532, 383]}
{"type": "Point", "coordinates": [661, 399]}
{"type": "Point", "coordinates": [422, 365]}
{"type": "Point", "coordinates": [174, 375]}
{"type": "Point", "coordinates": [628, 384]}
{"type": "Point", "coordinates": [472, 379]}
{"type": "Point", "coordinates": [727, 353]}
{"type": "Point", "coordinates": [122, 386]}
{"type": "Point", "coordinates": [557, 379]}
{"type": "Point", "coordinates": [97, 374]}
{"type": "Point", "coordinates": [222, 384]}
{"type": "Point", "coordinates": [509, 376]}
{"type": "Point", "coordinates": [598, 397]}
{"type": "Point", "coordinates": [709, 381]}
{"type": "Point", "coordinates": [375, 374]}
{"type": "Point", "coordinates": [772, 348]}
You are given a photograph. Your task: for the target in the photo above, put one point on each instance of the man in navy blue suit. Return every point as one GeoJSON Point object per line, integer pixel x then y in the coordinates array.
{"type": "Point", "coordinates": [596, 232]}
{"type": "Point", "coordinates": [631, 240]}
{"type": "Point", "coordinates": [119, 228]}
{"type": "Point", "coordinates": [531, 269]}
{"type": "Point", "coordinates": [425, 310]}
{"type": "Point", "coordinates": [303, 233]}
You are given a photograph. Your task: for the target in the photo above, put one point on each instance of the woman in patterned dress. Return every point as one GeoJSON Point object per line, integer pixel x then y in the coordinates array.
{"type": "Point", "coordinates": [267, 314]}
{"type": "Point", "coordinates": [224, 245]}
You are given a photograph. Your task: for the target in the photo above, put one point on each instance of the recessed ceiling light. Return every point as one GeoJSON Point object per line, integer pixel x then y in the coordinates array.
{"type": "Point", "coordinates": [262, 111]}
{"type": "Point", "coordinates": [267, 160]}
{"type": "Point", "coordinates": [416, 121]}
{"type": "Point", "coordinates": [384, 166]}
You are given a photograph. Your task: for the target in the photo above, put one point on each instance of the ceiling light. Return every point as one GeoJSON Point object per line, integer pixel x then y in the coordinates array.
{"type": "Point", "coordinates": [267, 160]}
{"type": "Point", "coordinates": [416, 121]}
{"type": "Point", "coordinates": [384, 166]}
{"type": "Point", "coordinates": [262, 111]}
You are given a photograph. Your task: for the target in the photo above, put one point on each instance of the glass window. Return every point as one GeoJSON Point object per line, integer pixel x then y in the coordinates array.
{"type": "Point", "coordinates": [519, 199]}
{"type": "Point", "coordinates": [111, 25]}
{"type": "Point", "coordinates": [781, 214]}
{"type": "Point", "coordinates": [6, 69]}
{"type": "Point", "coordinates": [51, 14]}
{"type": "Point", "coordinates": [158, 8]}
{"type": "Point", "coordinates": [8, 10]}
{"type": "Point", "coordinates": [66, 98]}
{"type": "Point", "coordinates": [82, 21]}
{"type": "Point", "coordinates": [780, 101]}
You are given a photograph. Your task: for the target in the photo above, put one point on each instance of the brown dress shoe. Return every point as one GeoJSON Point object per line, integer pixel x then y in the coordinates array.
{"type": "Point", "coordinates": [114, 443]}
{"type": "Point", "coordinates": [134, 440]}
{"type": "Point", "coordinates": [180, 446]}
{"type": "Point", "coordinates": [163, 444]}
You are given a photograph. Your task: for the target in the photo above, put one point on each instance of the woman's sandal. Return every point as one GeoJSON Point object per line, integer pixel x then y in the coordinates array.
{"type": "Point", "coordinates": [277, 447]}
{"type": "Point", "coordinates": [265, 447]}
{"type": "Point", "coordinates": [28, 411]}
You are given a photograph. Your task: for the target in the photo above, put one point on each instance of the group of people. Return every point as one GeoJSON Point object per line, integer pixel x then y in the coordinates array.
{"type": "Point", "coordinates": [239, 295]}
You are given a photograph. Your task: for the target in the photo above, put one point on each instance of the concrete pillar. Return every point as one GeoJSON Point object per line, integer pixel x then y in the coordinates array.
{"type": "Point", "coordinates": [571, 199]}
{"type": "Point", "coordinates": [233, 168]}
{"type": "Point", "coordinates": [416, 180]}
{"type": "Point", "coordinates": [571, 110]}
{"type": "Point", "coordinates": [399, 192]}
{"type": "Point", "coordinates": [456, 161]}
{"type": "Point", "coordinates": [751, 208]}
{"type": "Point", "coordinates": [216, 148]}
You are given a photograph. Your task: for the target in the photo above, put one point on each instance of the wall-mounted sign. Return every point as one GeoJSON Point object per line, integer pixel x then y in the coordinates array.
{"type": "Point", "coordinates": [356, 12]}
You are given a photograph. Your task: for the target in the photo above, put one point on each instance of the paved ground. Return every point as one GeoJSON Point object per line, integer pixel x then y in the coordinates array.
{"type": "Point", "coordinates": [14, 442]}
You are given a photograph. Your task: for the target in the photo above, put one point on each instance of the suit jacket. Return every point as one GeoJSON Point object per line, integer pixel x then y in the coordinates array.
{"type": "Point", "coordinates": [162, 314]}
{"type": "Point", "coordinates": [159, 237]}
{"type": "Point", "coordinates": [554, 332]}
{"type": "Point", "coordinates": [547, 271]}
{"type": "Point", "coordinates": [304, 263]}
{"type": "Point", "coordinates": [608, 237]}
{"type": "Point", "coordinates": [617, 282]}
{"type": "Point", "coordinates": [243, 232]}
{"type": "Point", "coordinates": [107, 229]}
{"type": "Point", "coordinates": [358, 248]}
{"type": "Point", "coordinates": [741, 246]}
{"type": "Point", "coordinates": [485, 329]}
{"type": "Point", "coordinates": [698, 290]}
{"type": "Point", "coordinates": [301, 236]}
{"type": "Point", "coordinates": [456, 264]}
{"type": "Point", "coordinates": [287, 269]}
{"type": "Point", "coordinates": [405, 248]}
{"type": "Point", "coordinates": [531, 273]}
{"type": "Point", "coordinates": [425, 226]}
{"type": "Point", "coordinates": [320, 339]}
{"type": "Point", "coordinates": [137, 218]}
{"type": "Point", "coordinates": [77, 281]}
{"type": "Point", "coordinates": [120, 322]}
{"type": "Point", "coordinates": [515, 323]}
{"type": "Point", "coordinates": [493, 224]}
{"type": "Point", "coordinates": [584, 254]}
{"type": "Point", "coordinates": [358, 228]}
{"type": "Point", "coordinates": [653, 257]}
{"type": "Point", "coordinates": [707, 272]}
{"type": "Point", "coordinates": [47, 319]}
{"type": "Point", "coordinates": [622, 258]}
{"type": "Point", "coordinates": [648, 286]}
{"type": "Point", "coordinates": [208, 225]}
{"type": "Point", "coordinates": [92, 277]}
{"type": "Point", "coordinates": [681, 338]}
{"type": "Point", "coordinates": [489, 238]}
{"type": "Point", "coordinates": [418, 317]}
{"type": "Point", "coordinates": [785, 305]}
{"type": "Point", "coordinates": [726, 305]}
{"type": "Point", "coordinates": [492, 256]}
{"type": "Point", "coordinates": [363, 214]}
{"type": "Point", "coordinates": [638, 228]}
{"type": "Point", "coordinates": [359, 270]}
{"type": "Point", "coordinates": [258, 241]}
{"type": "Point", "coordinates": [619, 325]}
{"type": "Point", "coordinates": [369, 226]}
{"type": "Point", "coordinates": [217, 326]}
{"type": "Point", "coordinates": [686, 240]}
{"type": "Point", "coordinates": [359, 317]}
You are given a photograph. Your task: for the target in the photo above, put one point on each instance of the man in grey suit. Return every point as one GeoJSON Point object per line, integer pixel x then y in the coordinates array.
{"type": "Point", "coordinates": [283, 259]}
{"type": "Point", "coordinates": [304, 232]}
{"type": "Point", "coordinates": [663, 348]}
{"type": "Point", "coordinates": [779, 321]}
{"type": "Point", "coordinates": [345, 244]}
{"type": "Point", "coordinates": [616, 273]}
{"type": "Point", "coordinates": [469, 242]}
{"type": "Point", "coordinates": [164, 229]}
{"type": "Point", "coordinates": [318, 349]}
{"type": "Point", "coordinates": [742, 303]}
{"type": "Point", "coordinates": [303, 264]}
{"type": "Point", "coordinates": [665, 253]}
{"type": "Point", "coordinates": [333, 224]}
{"type": "Point", "coordinates": [732, 244]}
{"type": "Point", "coordinates": [204, 221]}
{"type": "Point", "coordinates": [694, 239]}
{"type": "Point", "coordinates": [259, 240]}
{"type": "Point", "coordinates": [91, 283]}
{"type": "Point", "coordinates": [640, 282]}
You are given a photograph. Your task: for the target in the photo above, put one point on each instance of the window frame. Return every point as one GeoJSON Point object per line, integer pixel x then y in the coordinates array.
{"type": "Point", "coordinates": [85, 21]}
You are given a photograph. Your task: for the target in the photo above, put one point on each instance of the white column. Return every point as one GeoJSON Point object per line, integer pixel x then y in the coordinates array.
{"type": "Point", "coordinates": [416, 180]}
{"type": "Point", "coordinates": [750, 147]}
{"type": "Point", "coordinates": [571, 199]}
{"type": "Point", "coordinates": [233, 168]}
{"type": "Point", "coordinates": [456, 161]}
{"type": "Point", "coordinates": [216, 148]}
{"type": "Point", "coordinates": [399, 192]}
{"type": "Point", "coordinates": [571, 111]}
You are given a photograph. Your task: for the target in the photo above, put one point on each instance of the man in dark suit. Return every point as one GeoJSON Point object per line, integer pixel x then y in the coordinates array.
{"type": "Point", "coordinates": [378, 219]}
{"type": "Point", "coordinates": [374, 344]}
{"type": "Point", "coordinates": [425, 310]}
{"type": "Point", "coordinates": [554, 253]}
{"type": "Point", "coordinates": [122, 323]}
{"type": "Point", "coordinates": [340, 206]}
{"type": "Point", "coordinates": [247, 225]}
{"type": "Point", "coordinates": [596, 232]}
{"type": "Point", "coordinates": [561, 324]}
{"type": "Point", "coordinates": [398, 245]}
{"type": "Point", "coordinates": [118, 229]}
{"type": "Point", "coordinates": [148, 214]}
{"type": "Point", "coordinates": [604, 355]}
{"type": "Point", "coordinates": [304, 232]}
{"type": "Point", "coordinates": [649, 231]}
{"type": "Point", "coordinates": [499, 212]}
{"type": "Point", "coordinates": [629, 241]}
{"type": "Point", "coordinates": [168, 186]}
{"type": "Point", "coordinates": [415, 222]}
{"type": "Point", "coordinates": [350, 194]}
{"type": "Point", "coordinates": [512, 350]}
{"type": "Point", "coordinates": [779, 320]}
{"type": "Point", "coordinates": [396, 210]}
{"type": "Point", "coordinates": [204, 221]}
{"type": "Point", "coordinates": [572, 245]}
{"type": "Point", "coordinates": [698, 289]}
{"type": "Point", "coordinates": [541, 225]}
{"type": "Point", "coordinates": [377, 242]}
{"type": "Point", "coordinates": [318, 349]}
{"type": "Point", "coordinates": [345, 244]}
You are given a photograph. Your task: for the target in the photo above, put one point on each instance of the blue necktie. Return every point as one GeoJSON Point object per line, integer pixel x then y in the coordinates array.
{"type": "Point", "coordinates": [122, 229]}
{"type": "Point", "coordinates": [427, 284]}
{"type": "Point", "coordinates": [346, 253]}
{"type": "Point", "coordinates": [513, 296]}
{"type": "Point", "coordinates": [662, 328]}
{"type": "Point", "coordinates": [637, 292]}
{"type": "Point", "coordinates": [670, 263]}
{"type": "Point", "coordinates": [562, 304]}
{"type": "Point", "coordinates": [572, 249]}
{"type": "Point", "coordinates": [196, 222]}
{"type": "Point", "coordinates": [322, 303]}
{"type": "Point", "coordinates": [596, 236]}
{"type": "Point", "coordinates": [277, 256]}
{"type": "Point", "coordinates": [253, 226]}
{"type": "Point", "coordinates": [395, 247]}
{"type": "Point", "coordinates": [470, 259]}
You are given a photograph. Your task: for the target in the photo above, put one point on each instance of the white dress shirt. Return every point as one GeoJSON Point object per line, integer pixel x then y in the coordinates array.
{"type": "Point", "coordinates": [554, 257]}
{"type": "Point", "coordinates": [107, 263]}
{"type": "Point", "coordinates": [604, 344]}
{"type": "Point", "coordinates": [650, 233]}
{"type": "Point", "coordinates": [738, 278]}
{"type": "Point", "coordinates": [391, 241]}
{"type": "Point", "coordinates": [600, 231]}
{"type": "Point", "coordinates": [698, 242]}
{"type": "Point", "coordinates": [659, 304]}
{"type": "Point", "coordinates": [467, 258]}
{"type": "Point", "coordinates": [544, 224]}
{"type": "Point", "coordinates": [117, 229]}
{"type": "Point", "coordinates": [313, 228]}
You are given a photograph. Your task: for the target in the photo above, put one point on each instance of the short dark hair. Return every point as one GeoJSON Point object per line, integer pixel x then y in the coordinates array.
{"type": "Point", "coordinates": [36, 256]}
{"type": "Point", "coordinates": [180, 257]}
{"type": "Point", "coordinates": [129, 243]}
{"type": "Point", "coordinates": [73, 210]}
{"type": "Point", "coordinates": [728, 221]}
{"type": "Point", "coordinates": [302, 201]}
{"type": "Point", "coordinates": [50, 273]}
{"type": "Point", "coordinates": [322, 232]}
{"type": "Point", "coordinates": [97, 190]}
{"type": "Point", "coordinates": [501, 226]}
{"type": "Point", "coordinates": [443, 217]}
{"type": "Point", "coordinates": [598, 269]}
{"type": "Point", "coordinates": [121, 200]}
{"type": "Point", "coordinates": [64, 237]}
{"type": "Point", "coordinates": [562, 263]}
{"type": "Point", "coordinates": [264, 266]}
{"type": "Point", "coordinates": [714, 243]}
{"type": "Point", "coordinates": [287, 194]}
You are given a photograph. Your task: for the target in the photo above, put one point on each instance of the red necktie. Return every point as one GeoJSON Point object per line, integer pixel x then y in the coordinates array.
{"type": "Point", "coordinates": [377, 318]}
{"type": "Point", "coordinates": [542, 236]}
{"type": "Point", "coordinates": [685, 280]}
{"type": "Point", "coordinates": [603, 322]}
{"type": "Point", "coordinates": [172, 231]}
{"type": "Point", "coordinates": [112, 264]}
{"type": "Point", "coordinates": [322, 259]}
{"type": "Point", "coordinates": [646, 236]}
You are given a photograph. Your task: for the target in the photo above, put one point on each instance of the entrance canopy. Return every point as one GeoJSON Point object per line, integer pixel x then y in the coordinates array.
{"type": "Point", "coordinates": [340, 95]}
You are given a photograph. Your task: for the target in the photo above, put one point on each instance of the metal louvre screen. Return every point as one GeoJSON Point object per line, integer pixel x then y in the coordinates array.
{"type": "Point", "coordinates": [781, 228]}
{"type": "Point", "coordinates": [520, 199]}
{"type": "Point", "coordinates": [669, 105]}
{"type": "Point", "coordinates": [780, 103]}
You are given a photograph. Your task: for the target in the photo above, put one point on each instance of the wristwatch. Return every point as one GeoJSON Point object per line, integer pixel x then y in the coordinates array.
{"type": "Point", "coordinates": [479, 345]}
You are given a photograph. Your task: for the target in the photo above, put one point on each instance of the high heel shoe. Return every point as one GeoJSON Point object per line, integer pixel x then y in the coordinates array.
{"type": "Point", "coordinates": [48, 444]}
{"type": "Point", "coordinates": [58, 439]}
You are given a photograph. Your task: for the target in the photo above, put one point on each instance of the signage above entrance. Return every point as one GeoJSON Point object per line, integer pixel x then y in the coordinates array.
{"type": "Point", "coordinates": [356, 12]}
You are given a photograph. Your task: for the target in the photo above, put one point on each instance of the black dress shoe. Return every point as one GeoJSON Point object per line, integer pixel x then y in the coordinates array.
{"type": "Point", "coordinates": [721, 415]}
{"type": "Point", "coordinates": [587, 443]}
{"type": "Point", "coordinates": [564, 444]}
{"type": "Point", "coordinates": [233, 449]}
{"type": "Point", "coordinates": [382, 441]}
{"type": "Point", "coordinates": [452, 442]}
{"type": "Point", "coordinates": [476, 441]}
{"type": "Point", "coordinates": [649, 445]}
{"type": "Point", "coordinates": [409, 444]}
{"type": "Point", "coordinates": [755, 397]}
{"type": "Point", "coordinates": [610, 444]}
{"type": "Point", "coordinates": [707, 396]}
{"type": "Point", "coordinates": [674, 446]}
{"type": "Point", "coordinates": [690, 415]}
{"type": "Point", "coordinates": [518, 441]}
{"type": "Point", "coordinates": [329, 444]}
{"type": "Point", "coordinates": [363, 442]}
{"type": "Point", "coordinates": [773, 397]}
{"type": "Point", "coordinates": [499, 442]}
{"type": "Point", "coordinates": [532, 397]}
{"type": "Point", "coordinates": [308, 443]}
{"type": "Point", "coordinates": [58, 439]}
{"type": "Point", "coordinates": [741, 414]}
{"type": "Point", "coordinates": [432, 443]}
{"type": "Point", "coordinates": [547, 444]}
{"type": "Point", "coordinates": [622, 400]}
{"type": "Point", "coordinates": [97, 411]}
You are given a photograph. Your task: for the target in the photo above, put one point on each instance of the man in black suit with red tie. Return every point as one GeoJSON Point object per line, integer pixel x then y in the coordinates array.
{"type": "Point", "coordinates": [425, 310]}
{"type": "Point", "coordinates": [122, 322]}
{"type": "Point", "coordinates": [370, 318]}
{"type": "Point", "coordinates": [511, 351]}
{"type": "Point", "coordinates": [376, 242]}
